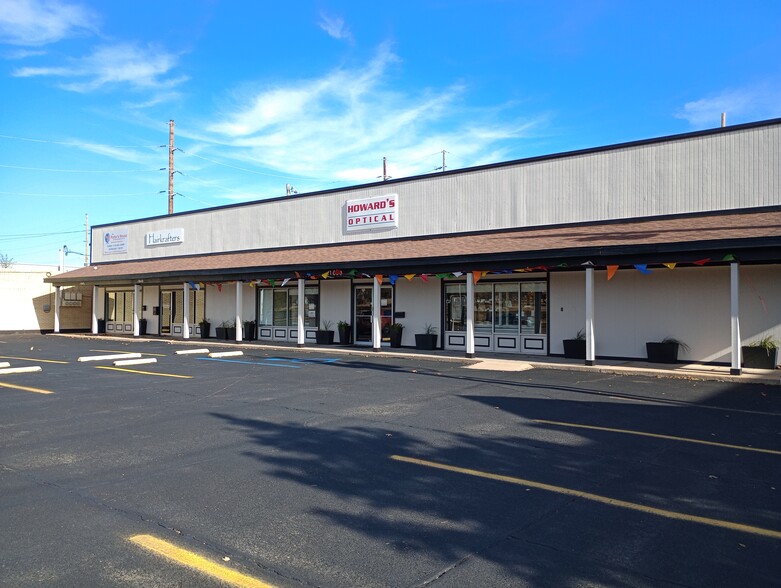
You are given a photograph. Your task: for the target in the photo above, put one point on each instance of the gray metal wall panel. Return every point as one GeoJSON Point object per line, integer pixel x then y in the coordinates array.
{"type": "Point", "coordinates": [738, 169]}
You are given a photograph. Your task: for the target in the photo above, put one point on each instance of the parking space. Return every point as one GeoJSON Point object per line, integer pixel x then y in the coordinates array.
{"type": "Point", "coordinates": [292, 468]}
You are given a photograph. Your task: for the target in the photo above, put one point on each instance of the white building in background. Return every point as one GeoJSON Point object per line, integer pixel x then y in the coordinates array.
{"type": "Point", "coordinates": [28, 303]}
{"type": "Point", "coordinates": [676, 236]}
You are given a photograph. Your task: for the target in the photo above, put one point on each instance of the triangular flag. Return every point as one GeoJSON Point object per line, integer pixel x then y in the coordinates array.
{"type": "Point", "coordinates": [325, 275]}
{"type": "Point", "coordinates": [701, 261]}
{"type": "Point", "coordinates": [441, 276]}
{"type": "Point", "coordinates": [562, 265]}
{"type": "Point", "coordinates": [642, 268]}
{"type": "Point", "coordinates": [611, 271]}
{"type": "Point", "coordinates": [588, 263]}
{"type": "Point", "coordinates": [424, 277]}
{"type": "Point", "coordinates": [252, 284]}
{"type": "Point", "coordinates": [670, 265]}
{"type": "Point", "coordinates": [201, 285]}
{"type": "Point", "coordinates": [285, 281]}
{"type": "Point", "coordinates": [729, 257]}
{"type": "Point", "coordinates": [352, 273]}
{"type": "Point", "coordinates": [393, 279]}
{"type": "Point", "coordinates": [378, 277]}
{"type": "Point", "coordinates": [520, 270]}
{"type": "Point", "coordinates": [337, 272]}
{"type": "Point", "coordinates": [219, 287]}
{"type": "Point", "coordinates": [266, 282]}
{"type": "Point", "coordinates": [192, 285]}
{"type": "Point", "coordinates": [272, 282]}
{"type": "Point", "coordinates": [298, 275]}
{"type": "Point", "coordinates": [458, 274]}
{"type": "Point", "coordinates": [477, 275]}
{"type": "Point", "coordinates": [409, 276]}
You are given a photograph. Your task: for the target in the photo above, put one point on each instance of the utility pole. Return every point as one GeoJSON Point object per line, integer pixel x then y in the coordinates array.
{"type": "Point", "coordinates": [171, 166]}
{"type": "Point", "coordinates": [86, 239]}
{"type": "Point", "coordinates": [443, 160]}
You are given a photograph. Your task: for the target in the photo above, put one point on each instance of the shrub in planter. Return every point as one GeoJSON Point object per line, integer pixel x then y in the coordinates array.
{"type": "Point", "coordinates": [345, 333]}
{"type": "Point", "coordinates": [762, 354]}
{"type": "Point", "coordinates": [575, 348]}
{"type": "Point", "coordinates": [206, 329]}
{"type": "Point", "coordinates": [395, 331]}
{"type": "Point", "coordinates": [665, 351]}
{"type": "Point", "coordinates": [427, 339]}
{"type": "Point", "coordinates": [324, 335]}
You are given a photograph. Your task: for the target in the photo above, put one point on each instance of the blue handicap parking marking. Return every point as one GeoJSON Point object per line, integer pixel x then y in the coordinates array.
{"type": "Point", "coordinates": [282, 365]}
{"type": "Point", "coordinates": [311, 360]}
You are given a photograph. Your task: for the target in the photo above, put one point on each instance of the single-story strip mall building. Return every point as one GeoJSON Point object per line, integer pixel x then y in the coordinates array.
{"type": "Point", "coordinates": [674, 237]}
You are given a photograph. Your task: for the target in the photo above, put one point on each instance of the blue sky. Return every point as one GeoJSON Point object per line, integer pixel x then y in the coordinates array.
{"type": "Point", "coordinates": [315, 94]}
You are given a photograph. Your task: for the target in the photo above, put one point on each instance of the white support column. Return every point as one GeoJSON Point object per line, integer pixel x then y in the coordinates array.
{"type": "Point", "coordinates": [239, 323]}
{"type": "Point", "coordinates": [94, 310]}
{"type": "Point", "coordinates": [301, 340]}
{"type": "Point", "coordinates": [136, 299]}
{"type": "Point", "coordinates": [734, 275]}
{"type": "Point", "coordinates": [376, 310]}
{"type": "Point", "coordinates": [186, 311]}
{"type": "Point", "coordinates": [470, 315]}
{"type": "Point", "coordinates": [56, 309]}
{"type": "Point", "coordinates": [590, 353]}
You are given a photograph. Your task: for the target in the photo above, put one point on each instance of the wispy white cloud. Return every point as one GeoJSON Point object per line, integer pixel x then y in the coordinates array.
{"type": "Point", "coordinates": [740, 104]}
{"type": "Point", "coordinates": [39, 22]}
{"type": "Point", "coordinates": [340, 125]}
{"type": "Point", "coordinates": [335, 27]}
{"type": "Point", "coordinates": [143, 68]}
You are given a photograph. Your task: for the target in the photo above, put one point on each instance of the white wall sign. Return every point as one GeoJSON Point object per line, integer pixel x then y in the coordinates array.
{"type": "Point", "coordinates": [169, 237]}
{"type": "Point", "coordinates": [115, 241]}
{"type": "Point", "coordinates": [380, 212]}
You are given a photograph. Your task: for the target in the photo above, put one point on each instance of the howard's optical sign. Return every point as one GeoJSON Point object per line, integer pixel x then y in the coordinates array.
{"type": "Point", "coordinates": [368, 214]}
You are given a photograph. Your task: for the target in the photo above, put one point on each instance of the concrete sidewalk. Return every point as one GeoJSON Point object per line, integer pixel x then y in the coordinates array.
{"type": "Point", "coordinates": [497, 361]}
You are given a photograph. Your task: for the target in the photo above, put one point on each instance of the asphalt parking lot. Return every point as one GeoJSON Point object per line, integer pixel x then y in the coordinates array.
{"type": "Point", "coordinates": [310, 468]}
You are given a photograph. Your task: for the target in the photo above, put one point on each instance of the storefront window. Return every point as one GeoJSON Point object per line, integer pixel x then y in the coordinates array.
{"type": "Point", "coordinates": [484, 307]}
{"type": "Point", "coordinates": [506, 308]}
{"type": "Point", "coordinates": [502, 307]}
{"type": "Point", "coordinates": [279, 306]}
{"type": "Point", "coordinates": [534, 302]}
{"type": "Point", "coordinates": [119, 307]}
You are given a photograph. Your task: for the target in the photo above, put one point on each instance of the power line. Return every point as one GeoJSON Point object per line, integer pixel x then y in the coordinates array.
{"type": "Point", "coordinates": [73, 143]}
{"type": "Point", "coordinates": [35, 195]}
{"type": "Point", "coordinates": [80, 171]}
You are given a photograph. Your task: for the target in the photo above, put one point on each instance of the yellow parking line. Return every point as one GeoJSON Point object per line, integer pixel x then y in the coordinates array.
{"type": "Point", "coordinates": [595, 498]}
{"type": "Point", "coordinates": [658, 436]}
{"type": "Point", "coordinates": [25, 388]}
{"type": "Point", "coordinates": [197, 562]}
{"type": "Point", "coordinates": [120, 351]}
{"type": "Point", "coordinates": [117, 369]}
{"type": "Point", "coordinates": [32, 359]}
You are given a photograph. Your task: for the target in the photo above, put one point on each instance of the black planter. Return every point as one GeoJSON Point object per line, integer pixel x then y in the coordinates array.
{"type": "Point", "coordinates": [324, 337]}
{"type": "Point", "coordinates": [424, 341]}
{"type": "Point", "coordinates": [206, 330]}
{"type": "Point", "coordinates": [345, 334]}
{"type": "Point", "coordinates": [249, 331]}
{"type": "Point", "coordinates": [230, 333]}
{"type": "Point", "coordinates": [759, 358]}
{"type": "Point", "coordinates": [101, 325]}
{"type": "Point", "coordinates": [142, 327]}
{"type": "Point", "coordinates": [221, 332]}
{"type": "Point", "coordinates": [662, 352]}
{"type": "Point", "coordinates": [395, 337]}
{"type": "Point", "coordinates": [575, 348]}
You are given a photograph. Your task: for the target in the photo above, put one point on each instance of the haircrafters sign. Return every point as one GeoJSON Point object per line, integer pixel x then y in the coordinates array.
{"type": "Point", "coordinates": [380, 212]}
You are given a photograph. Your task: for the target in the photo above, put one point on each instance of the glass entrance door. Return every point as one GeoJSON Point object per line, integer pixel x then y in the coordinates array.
{"type": "Point", "coordinates": [363, 313]}
{"type": "Point", "coordinates": [166, 312]}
